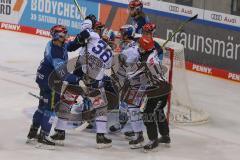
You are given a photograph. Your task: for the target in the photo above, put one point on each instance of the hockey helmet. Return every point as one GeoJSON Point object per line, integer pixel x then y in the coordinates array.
{"type": "Point", "coordinates": [92, 18]}
{"type": "Point", "coordinates": [58, 31]}
{"type": "Point", "coordinates": [99, 27]}
{"type": "Point", "coordinates": [109, 36]}
{"type": "Point", "coordinates": [146, 44]}
{"type": "Point", "coordinates": [149, 28]}
{"type": "Point", "coordinates": [127, 31]}
{"type": "Point", "coordinates": [135, 5]}
{"type": "Point", "coordinates": [86, 24]}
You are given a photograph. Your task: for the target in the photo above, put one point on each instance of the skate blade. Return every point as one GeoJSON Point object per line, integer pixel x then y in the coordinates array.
{"type": "Point", "coordinates": [136, 146]}
{"type": "Point", "coordinates": [59, 142]}
{"type": "Point", "coordinates": [31, 141]}
{"type": "Point", "coordinates": [45, 147]}
{"type": "Point", "coordinates": [102, 146]}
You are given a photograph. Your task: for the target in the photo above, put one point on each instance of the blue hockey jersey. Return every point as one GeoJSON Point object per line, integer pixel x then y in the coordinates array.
{"type": "Point", "coordinates": [139, 22]}
{"type": "Point", "coordinates": [54, 57]}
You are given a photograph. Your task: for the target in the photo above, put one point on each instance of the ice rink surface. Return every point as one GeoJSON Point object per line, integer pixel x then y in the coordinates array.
{"type": "Point", "coordinates": [20, 56]}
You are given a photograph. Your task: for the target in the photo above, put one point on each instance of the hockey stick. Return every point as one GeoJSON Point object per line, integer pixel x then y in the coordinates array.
{"type": "Point", "coordinates": [34, 95]}
{"type": "Point", "coordinates": [179, 29]}
{"type": "Point", "coordinates": [86, 50]}
{"type": "Point", "coordinates": [79, 9]}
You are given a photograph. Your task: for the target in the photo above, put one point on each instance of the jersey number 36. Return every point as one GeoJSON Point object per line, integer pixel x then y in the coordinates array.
{"type": "Point", "coordinates": [101, 49]}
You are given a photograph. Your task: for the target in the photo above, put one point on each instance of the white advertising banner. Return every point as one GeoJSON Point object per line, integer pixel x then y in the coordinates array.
{"type": "Point", "coordinates": [222, 18]}
{"type": "Point", "coordinates": [207, 15]}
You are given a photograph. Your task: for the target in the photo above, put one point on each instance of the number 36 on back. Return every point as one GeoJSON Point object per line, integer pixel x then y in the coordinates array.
{"type": "Point", "coordinates": [102, 50]}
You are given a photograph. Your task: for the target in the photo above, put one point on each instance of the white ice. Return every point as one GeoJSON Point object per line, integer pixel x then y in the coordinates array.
{"type": "Point", "coordinates": [20, 56]}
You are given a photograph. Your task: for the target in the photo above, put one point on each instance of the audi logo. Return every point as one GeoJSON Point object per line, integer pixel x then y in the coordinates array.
{"type": "Point", "coordinates": [216, 17]}
{"type": "Point", "coordinates": [174, 8]}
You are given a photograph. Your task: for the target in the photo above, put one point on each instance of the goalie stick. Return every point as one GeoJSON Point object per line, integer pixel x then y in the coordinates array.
{"type": "Point", "coordinates": [179, 29]}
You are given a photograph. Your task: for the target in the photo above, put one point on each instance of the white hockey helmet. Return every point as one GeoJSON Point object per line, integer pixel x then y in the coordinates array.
{"type": "Point", "coordinates": [86, 24]}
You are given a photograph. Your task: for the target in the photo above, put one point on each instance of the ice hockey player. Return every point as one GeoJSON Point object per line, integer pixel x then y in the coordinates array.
{"type": "Point", "coordinates": [59, 135]}
{"type": "Point", "coordinates": [139, 18]}
{"type": "Point", "coordinates": [95, 59]}
{"type": "Point", "coordinates": [149, 30]}
{"type": "Point", "coordinates": [154, 116]}
{"type": "Point", "coordinates": [129, 93]}
{"type": "Point", "coordinates": [55, 58]}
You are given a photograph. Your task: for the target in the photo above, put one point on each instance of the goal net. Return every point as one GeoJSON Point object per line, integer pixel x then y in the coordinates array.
{"type": "Point", "coordinates": [180, 108]}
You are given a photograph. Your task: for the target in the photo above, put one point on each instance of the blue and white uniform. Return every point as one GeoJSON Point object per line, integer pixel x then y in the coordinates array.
{"type": "Point", "coordinates": [55, 57]}
{"type": "Point", "coordinates": [99, 58]}
{"type": "Point", "coordinates": [130, 56]}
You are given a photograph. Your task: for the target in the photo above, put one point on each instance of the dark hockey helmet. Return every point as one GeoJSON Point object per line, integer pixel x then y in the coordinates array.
{"type": "Point", "coordinates": [127, 31]}
{"type": "Point", "coordinates": [58, 31]}
{"type": "Point", "coordinates": [93, 18]}
{"type": "Point", "coordinates": [99, 27]}
{"type": "Point", "coordinates": [146, 44]}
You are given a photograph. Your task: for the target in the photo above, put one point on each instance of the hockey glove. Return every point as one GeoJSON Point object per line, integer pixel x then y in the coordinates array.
{"type": "Point", "coordinates": [72, 79]}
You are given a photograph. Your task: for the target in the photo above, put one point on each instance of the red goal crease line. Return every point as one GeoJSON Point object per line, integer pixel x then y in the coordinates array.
{"type": "Point", "coordinates": [216, 72]}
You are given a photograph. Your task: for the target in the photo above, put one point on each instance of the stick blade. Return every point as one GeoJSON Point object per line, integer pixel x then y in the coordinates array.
{"type": "Point", "coordinates": [192, 18]}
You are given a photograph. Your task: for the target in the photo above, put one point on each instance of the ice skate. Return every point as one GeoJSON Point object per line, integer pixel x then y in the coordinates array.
{"type": "Point", "coordinates": [102, 141]}
{"type": "Point", "coordinates": [115, 128]}
{"type": "Point", "coordinates": [129, 135]}
{"type": "Point", "coordinates": [44, 142]}
{"type": "Point", "coordinates": [164, 140]}
{"type": "Point", "coordinates": [151, 146]}
{"type": "Point", "coordinates": [138, 142]}
{"type": "Point", "coordinates": [32, 135]}
{"type": "Point", "coordinates": [58, 137]}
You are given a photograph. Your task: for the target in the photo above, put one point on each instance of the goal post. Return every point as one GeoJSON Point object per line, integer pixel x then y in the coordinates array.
{"type": "Point", "coordinates": [180, 108]}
